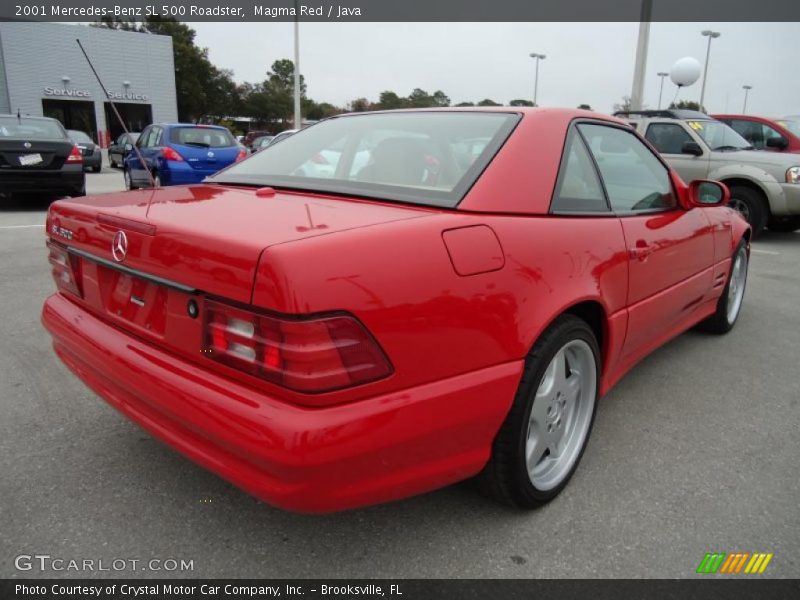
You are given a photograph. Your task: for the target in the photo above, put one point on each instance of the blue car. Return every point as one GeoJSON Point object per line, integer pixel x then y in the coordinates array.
{"type": "Point", "coordinates": [180, 153]}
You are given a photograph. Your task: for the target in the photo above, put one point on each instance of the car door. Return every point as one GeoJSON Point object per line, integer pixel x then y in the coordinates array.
{"type": "Point", "coordinates": [668, 139]}
{"type": "Point", "coordinates": [132, 161]}
{"type": "Point", "coordinates": [670, 249]}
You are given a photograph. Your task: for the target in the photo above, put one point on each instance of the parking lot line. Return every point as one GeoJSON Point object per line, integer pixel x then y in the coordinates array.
{"type": "Point", "coordinates": [770, 252]}
{"type": "Point", "coordinates": [20, 226]}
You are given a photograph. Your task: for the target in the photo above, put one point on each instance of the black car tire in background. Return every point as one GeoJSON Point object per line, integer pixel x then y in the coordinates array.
{"type": "Point", "coordinates": [751, 204]}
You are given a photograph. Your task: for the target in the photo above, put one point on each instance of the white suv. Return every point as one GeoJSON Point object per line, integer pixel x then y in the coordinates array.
{"type": "Point", "coordinates": [765, 186]}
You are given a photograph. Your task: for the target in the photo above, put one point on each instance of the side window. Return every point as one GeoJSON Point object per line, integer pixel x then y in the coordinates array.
{"type": "Point", "coordinates": [751, 131]}
{"type": "Point", "coordinates": [578, 188]}
{"type": "Point", "coordinates": [144, 139]}
{"type": "Point", "coordinates": [770, 133]}
{"type": "Point", "coordinates": [155, 136]}
{"type": "Point", "coordinates": [635, 180]}
{"type": "Point", "coordinates": [667, 138]}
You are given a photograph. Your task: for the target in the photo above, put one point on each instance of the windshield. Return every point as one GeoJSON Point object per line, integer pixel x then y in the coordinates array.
{"type": "Point", "coordinates": [430, 158]}
{"type": "Point", "coordinates": [205, 137]}
{"type": "Point", "coordinates": [793, 126]}
{"type": "Point", "coordinates": [719, 136]}
{"type": "Point", "coordinates": [30, 129]}
{"type": "Point", "coordinates": [79, 136]}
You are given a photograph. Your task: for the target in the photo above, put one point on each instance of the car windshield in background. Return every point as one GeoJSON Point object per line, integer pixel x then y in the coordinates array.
{"type": "Point", "coordinates": [430, 158]}
{"type": "Point", "coordinates": [719, 136]}
{"type": "Point", "coordinates": [204, 137]}
{"type": "Point", "coordinates": [793, 126]}
{"type": "Point", "coordinates": [79, 136]}
{"type": "Point", "coordinates": [30, 129]}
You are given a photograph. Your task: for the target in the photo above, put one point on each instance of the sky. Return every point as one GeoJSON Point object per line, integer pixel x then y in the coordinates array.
{"type": "Point", "coordinates": [589, 63]}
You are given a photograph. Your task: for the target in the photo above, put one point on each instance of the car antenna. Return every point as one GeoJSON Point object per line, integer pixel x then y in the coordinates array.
{"type": "Point", "coordinates": [119, 118]}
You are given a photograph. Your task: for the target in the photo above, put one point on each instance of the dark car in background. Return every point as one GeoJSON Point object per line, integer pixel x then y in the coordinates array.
{"type": "Point", "coordinates": [251, 136]}
{"type": "Point", "coordinates": [92, 157]}
{"type": "Point", "coordinates": [117, 151]}
{"type": "Point", "coordinates": [778, 135]}
{"type": "Point", "coordinates": [260, 142]}
{"type": "Point", "coordinates": [37, 158]}
{"type": "Point", "coordinates": [180, 153]}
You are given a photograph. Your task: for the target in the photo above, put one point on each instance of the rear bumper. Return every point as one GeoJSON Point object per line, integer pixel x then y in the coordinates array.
{"type": "Point", "coordinates": [181, 174]}
{"type": "Point", "coordinates": [70, 180]}
{"type": "Point", "coordinates": [308, 460]}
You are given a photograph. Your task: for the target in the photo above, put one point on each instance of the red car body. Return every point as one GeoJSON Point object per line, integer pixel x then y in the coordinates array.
{"type": "Point", "coordinates": [774, 127]}
{"type": "Point", "coordinates": [454, 298]}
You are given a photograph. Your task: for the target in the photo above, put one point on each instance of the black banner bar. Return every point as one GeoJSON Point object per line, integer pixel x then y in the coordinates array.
{"type": "Point", "coordinates": [403, 10]}
{"type": "Point", "coordinates": [735, 588]}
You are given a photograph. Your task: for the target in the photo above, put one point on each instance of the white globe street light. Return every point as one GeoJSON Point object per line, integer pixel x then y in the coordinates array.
{"type": "Point", "coordinates": [710, 35]}
{"type": "Point", "coordinates": [537, 58]}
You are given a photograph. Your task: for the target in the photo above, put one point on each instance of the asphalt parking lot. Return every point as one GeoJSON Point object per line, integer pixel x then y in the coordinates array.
{"type": "Point", "coordinates": [696, 450]}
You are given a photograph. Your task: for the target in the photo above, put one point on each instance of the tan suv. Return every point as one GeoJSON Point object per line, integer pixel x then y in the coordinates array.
{"type": "Point", "coordinates": [765, 186]}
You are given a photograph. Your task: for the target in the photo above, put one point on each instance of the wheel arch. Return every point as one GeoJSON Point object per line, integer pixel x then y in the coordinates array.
{"type": "Point", "coordinates": [750, 184]}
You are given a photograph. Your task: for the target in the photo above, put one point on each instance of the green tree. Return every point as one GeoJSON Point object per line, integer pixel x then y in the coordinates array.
{"type": "Point", "coordinates": [440, 98]}
{"type": "Point", "coordinates": [584, 107]}
{"type": "Point", "coordinates": [360, 105]}
{"type": "Point", "coordinates": [388, 100]}
{"type": "Point", "coordinates": [488, 102]}
{"type": "Point", "coordinates": [520, 102]}
{"type": "Point", "coordinates": [688, 105]}
{"type": "Point", "coordinates": [465, 104]}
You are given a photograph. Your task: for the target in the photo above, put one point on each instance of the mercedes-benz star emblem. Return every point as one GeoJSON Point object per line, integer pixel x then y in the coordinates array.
{"type": "Point", "coordinates": [27, 144]}
{"type": "Point", "coordinates": [119, 246]}
{"type": "Point", "coordinates": [210, 154]}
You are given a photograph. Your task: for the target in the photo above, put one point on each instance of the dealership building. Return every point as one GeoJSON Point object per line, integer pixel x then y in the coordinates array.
{"type": "Point", "coordinates": [44, 73]}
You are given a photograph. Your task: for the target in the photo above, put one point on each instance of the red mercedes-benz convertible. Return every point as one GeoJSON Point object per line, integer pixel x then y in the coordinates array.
{"type": "Point", "coordinates": [387, 303]}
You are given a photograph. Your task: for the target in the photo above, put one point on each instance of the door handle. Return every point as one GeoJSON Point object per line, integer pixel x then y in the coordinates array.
{"type": "Point", "coordinates": [641, 251]}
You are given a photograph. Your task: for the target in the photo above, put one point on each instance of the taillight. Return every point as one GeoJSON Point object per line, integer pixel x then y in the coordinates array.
{"type": "Point", "coordinates": [308, 355]}
{"type": "Point", "coordinates": [66, 269]}
{"type": "Point", "coordinates": [171, 154]}
{"type": "Point", "coordinates": [75, 155]}
{"type": "Point", "coordinates": [242, 155]}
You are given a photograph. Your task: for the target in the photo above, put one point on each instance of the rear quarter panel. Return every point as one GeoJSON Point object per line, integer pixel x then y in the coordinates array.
{"type": "Point", "coordinates": [398, 279]}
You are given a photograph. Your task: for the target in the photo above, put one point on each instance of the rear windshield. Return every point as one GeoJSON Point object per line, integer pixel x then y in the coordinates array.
{"type": "Point", "coordinates": [430, 158]}
{"type": "Point", "coordinates": [204, 137]}
{"type": "Point", "coordinates": [30, 129]}
{"type": "Point", "coordinates": [79, 136]}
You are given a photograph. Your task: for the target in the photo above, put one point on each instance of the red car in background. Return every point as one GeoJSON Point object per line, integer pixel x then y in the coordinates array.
{"type": "Point", "coordinates": [778, 135]}
{"type": "Point", "coordinates": [449, 299]}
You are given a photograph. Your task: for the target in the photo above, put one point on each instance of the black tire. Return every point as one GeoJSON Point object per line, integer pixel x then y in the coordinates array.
{"type": "Point", "coordinates": [784, 225]}
{"type": "Point", "coordinates": [721, 322]}
{"type": "Point", "coordinates": [96, 169]}
{"type": "Point", "coordinates": [111, 162]}
{"type": "Point", "coordinates": [505, 477]}
{"type": "Point", "coordinates": [129, 185]}
{"type": "Point", "coordinates": [752, 206]}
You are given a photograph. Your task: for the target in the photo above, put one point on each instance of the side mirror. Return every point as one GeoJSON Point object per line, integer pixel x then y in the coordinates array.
{"type": "Point", "coordinates": [692, 148]}
{"type": "Point", "coordinates": [781, 143]}
{"type": "Point", "coordinates": [704, 192]}
{"type": "Point", "coordinates": [128, 147]}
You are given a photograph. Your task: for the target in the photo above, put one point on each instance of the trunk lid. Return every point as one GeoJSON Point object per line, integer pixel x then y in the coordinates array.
{"type": "Point", "coordinates": [207, 237]}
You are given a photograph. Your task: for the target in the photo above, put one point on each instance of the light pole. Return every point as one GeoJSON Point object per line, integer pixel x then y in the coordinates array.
{"type": "Point", "coordinates": [710, 35]}
{"type": "Point", "coordinates": [661, 89]}
{"type": "Point", "coordinates": [642, 44]}
{"type": "Point", "coordinates": [537, 58]}
{"type": "Point", "coordinates": [298, 119]}
{"type": "Point", "coordinates": [747, 89]}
